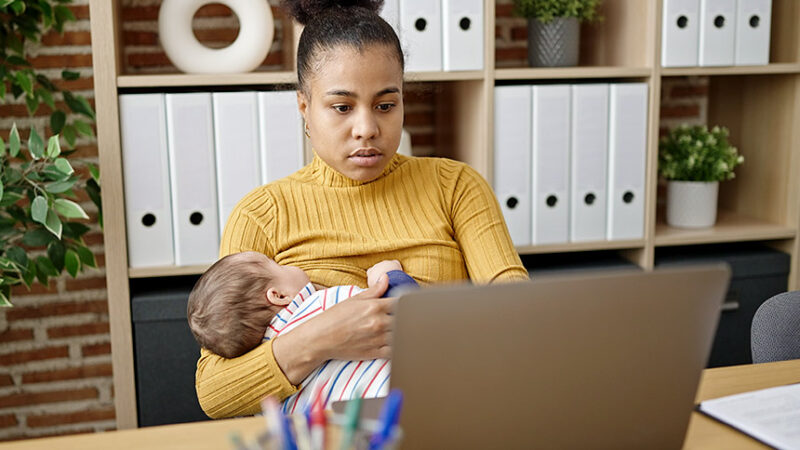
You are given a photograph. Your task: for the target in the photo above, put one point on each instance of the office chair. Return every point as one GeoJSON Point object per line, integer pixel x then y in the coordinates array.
{"type": "Point", "coordinates": [775, 333]}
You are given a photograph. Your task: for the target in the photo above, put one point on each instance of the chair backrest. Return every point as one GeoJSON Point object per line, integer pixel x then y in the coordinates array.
{"type": "Point", "coordinates": [775, 334]}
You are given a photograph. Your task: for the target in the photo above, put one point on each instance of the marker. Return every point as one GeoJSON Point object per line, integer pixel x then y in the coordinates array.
{"type": "Point", "coordinates": [272, 416]}
{"type": "Point", "coordinates": [289, 442]}
{"type": "Point", "coordinates": [351, 422]}
{"type": "Point", "coordinates": [318, 423]}
{"type": "Point", "coordinates": [301, 429]}
{"type": "Point", "coordinates": [390, 415]}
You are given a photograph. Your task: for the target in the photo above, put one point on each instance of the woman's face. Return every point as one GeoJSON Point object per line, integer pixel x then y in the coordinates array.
{"type": "Point", "coordinates": [355, 110]}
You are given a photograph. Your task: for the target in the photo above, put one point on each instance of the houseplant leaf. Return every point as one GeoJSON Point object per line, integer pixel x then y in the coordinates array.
{"type": "Point", "coordinates": [53, 223]}
{"type": "Point", "coordinates": [56, 252]}
{"type": "Point", "coordinates": [86, 255]}
{"type": "Point", "coordinates": [57, 121]}
{"type": "Point", "coordinates": [39, 209]}
{"type": "Point", "coordinates": [13, 141]}
{"type": "Point", "coordinates": [72, 262]}
{"type": "Point", "coordinates": [35, 145]}
{"type": "Point", "coordinates": [64, 166]}
{"type": "Point", "coordinates": [54, 148]}
{"type": "Point", "coordinates": [69, 209]}
{"type": "Point", "coordinates": [37, 238]}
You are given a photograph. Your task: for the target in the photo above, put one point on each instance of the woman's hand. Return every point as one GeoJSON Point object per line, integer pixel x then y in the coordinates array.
{"type": "Point", "coordinates": [359, 328]}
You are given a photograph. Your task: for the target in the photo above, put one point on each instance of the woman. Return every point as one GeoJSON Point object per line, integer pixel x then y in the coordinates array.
{"type": "Point", "coordinates": [355, 204]}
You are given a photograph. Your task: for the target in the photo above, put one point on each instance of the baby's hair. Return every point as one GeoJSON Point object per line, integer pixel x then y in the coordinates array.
{"type": "Point", "coordinates": [332, 23]}
{"type": "Point", "coordinates": [227, 311]}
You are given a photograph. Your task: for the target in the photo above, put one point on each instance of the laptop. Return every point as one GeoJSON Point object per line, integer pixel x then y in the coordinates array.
{"type": "Point", "coordinates": [606, 360]}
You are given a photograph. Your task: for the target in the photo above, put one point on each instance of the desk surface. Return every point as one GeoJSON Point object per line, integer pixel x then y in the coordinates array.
{"type": "Point", "coordinates": [703, 432]}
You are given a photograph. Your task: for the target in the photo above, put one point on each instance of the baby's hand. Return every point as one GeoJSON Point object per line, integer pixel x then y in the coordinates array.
{"type": "Point", "coordinates": [375, 272]}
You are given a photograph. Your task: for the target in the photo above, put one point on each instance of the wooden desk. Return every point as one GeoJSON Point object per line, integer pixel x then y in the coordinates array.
{"type": "Point", "coordinates": [703, 433]}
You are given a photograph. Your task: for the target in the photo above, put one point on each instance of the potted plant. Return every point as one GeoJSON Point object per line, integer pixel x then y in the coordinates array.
{"type": "Point", "coordinates": [694, 160]}
{"type": "Point", "coordinates": [41, 223]}
{"type": "Point", "coordinates": [554, 32]}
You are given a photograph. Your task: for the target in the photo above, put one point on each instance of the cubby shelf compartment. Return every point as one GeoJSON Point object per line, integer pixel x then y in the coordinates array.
{"type": "Point", "coordinates": [778, 68]}
{"type": "Point", "coordinates": [166, 271]}
{"type": "Point", "coordinates": [730, 227]}
{"type": "Point", "coordinates": [580, 247]}
{"type": "Point", "coordinates": [571, 73]}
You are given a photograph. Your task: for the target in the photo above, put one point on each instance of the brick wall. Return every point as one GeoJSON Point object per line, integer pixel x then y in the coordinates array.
{"type": "Point", "coordinates": [55, 363]}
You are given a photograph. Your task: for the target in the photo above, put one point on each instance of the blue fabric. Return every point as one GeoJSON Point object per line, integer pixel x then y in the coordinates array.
{"type": "Point", "coordinates": [399, 282]}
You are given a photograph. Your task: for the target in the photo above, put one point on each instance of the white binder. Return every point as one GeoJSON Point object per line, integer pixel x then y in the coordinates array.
{"type": "Point", "coordinates": [193, 178]}
{"type": "Point", "coordinates": [391, 14]}
{"type": "Point", "coordinates": [627, 154]}
{"type": "Point", "coordinates": [236, 148]}
{"type": "Point", "coordinates": [551, 134]}
{"type": "Point", "coordinates": [512, 159]}
{"type": "Point", "coordinates": [753, 23]}
{"type": "Point", "coordinates": [717, 32]}
{"type": "Point", "coordinates": [680, 27]}
{"type": "Point", "coordinates": [145, 168]}
{"type": "Point", "coordinates": [282, 151]}
{"type": "Point", "coordinates": [462, 34]}
{"type": "Point", "coordinates": [421, 28]}
{"type": "Point", "coordinates": [589, 162]}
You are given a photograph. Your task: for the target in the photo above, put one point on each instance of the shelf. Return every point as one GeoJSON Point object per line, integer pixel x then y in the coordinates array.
{"type": "Point", "coordinates": [166, 271]}
{"type": "Point", "coordinates": [580, 247]}
{"type": "Point", "coordinates": [529, 73]}
{"type": "Point", "coordinates": [444, 76]}
{"type": "Point", "coordinates": [738, 70]}
{"type": "Point", "coordinates": [185, 79]}
{"type": "Point", "coordinates": [260, 78]}
{"type": "Point", "coordinates": [730, 227]}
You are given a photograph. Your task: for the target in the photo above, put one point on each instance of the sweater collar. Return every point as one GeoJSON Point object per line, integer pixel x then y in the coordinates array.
{"type": "Point", "coordinates": [328, 176]}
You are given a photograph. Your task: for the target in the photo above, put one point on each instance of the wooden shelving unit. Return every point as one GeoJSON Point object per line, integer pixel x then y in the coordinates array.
{"type": "Point", "coordinates": [760, 105]}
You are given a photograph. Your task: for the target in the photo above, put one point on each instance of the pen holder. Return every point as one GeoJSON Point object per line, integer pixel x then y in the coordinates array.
{"type": "Point", "coordinates": [333, 436]}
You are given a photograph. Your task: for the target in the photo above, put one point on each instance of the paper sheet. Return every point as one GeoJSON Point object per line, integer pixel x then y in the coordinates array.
{"type": "Point", "coordinates": [769, 415]}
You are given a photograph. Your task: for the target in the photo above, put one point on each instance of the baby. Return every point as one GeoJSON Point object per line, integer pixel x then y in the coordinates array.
{"type": "Point", "coordinates": [246, 298]}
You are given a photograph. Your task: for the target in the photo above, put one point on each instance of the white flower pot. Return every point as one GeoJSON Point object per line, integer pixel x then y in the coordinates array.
{"type": "Point", "coordinates": [692, 204]}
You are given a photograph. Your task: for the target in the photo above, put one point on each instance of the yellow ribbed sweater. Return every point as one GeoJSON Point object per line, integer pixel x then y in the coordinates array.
{"type": "Point", "coordinates": [438, 217]}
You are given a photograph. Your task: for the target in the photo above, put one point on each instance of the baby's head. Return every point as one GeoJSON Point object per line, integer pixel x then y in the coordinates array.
{"type": "Point", "coordinates": [232, 303]}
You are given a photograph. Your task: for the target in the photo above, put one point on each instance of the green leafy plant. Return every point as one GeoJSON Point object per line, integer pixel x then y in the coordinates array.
{"type": "Point", "coordinates": [693, 153]}
{"type": "Point", "coordinates": [26, 21]}
{"type": "Point", "coordinates": [37, 213]}
{"type": "Point", "coordinates": [548, 10]}
{"type": "Point", "coordinates": [41, 234]}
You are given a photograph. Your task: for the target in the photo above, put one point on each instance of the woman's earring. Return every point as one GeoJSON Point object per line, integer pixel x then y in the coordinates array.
{"type": "Point", "coordinates": [306, 131]}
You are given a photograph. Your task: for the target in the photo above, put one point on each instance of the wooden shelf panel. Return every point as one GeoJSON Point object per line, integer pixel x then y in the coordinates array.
{"type": "Point", "coordinates": [443, 76]}
{"type": "Point", "coordinates": [166, 271]}
{"type": "Point", "coordinates": [185, 79]}
{"type": "Point", "coordinates": [528, 73]}
{"type": "Point", "coordinates": [737, 70]}
{"type": "Point", "coordinates": [580, 247]}
{"type": "Point", "coordinates": [730, 227]}
{"type": "Point", "coordinates": [261, 78]}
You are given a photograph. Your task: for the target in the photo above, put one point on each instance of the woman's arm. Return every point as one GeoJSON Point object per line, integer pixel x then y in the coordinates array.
{"type": "Point", "coordinates": [481, 231]}
{"type": "Point", "coordinates": [234, 387]}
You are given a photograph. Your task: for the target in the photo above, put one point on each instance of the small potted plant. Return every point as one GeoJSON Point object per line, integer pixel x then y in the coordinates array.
{"type": "Point", "coordinates": [694, 160]}
{"type": "Point", "coordinates": [554, 31]}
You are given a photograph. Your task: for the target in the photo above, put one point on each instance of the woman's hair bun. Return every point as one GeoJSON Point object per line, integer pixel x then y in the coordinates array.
{"type": "Point", "coordinates": [305, 10]}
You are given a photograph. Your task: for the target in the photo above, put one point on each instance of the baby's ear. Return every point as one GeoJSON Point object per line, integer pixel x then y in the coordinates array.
{"type": "Point", "coordinates": [276, 298]}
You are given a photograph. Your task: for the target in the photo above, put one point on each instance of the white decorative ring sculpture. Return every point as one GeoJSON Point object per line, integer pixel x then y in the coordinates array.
{"type": "Point", "coordinates": [256, 29]}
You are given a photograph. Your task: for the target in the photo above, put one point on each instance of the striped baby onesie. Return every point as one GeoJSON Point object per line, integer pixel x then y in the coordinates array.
{"type": "Point", "coordinates": [338, 379]}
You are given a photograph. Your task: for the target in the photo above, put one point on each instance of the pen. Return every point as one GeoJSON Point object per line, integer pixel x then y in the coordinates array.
{"type": "Point", "coordinates": [351, 422]}
{"type": "Point", "coordinates": [289, 443]}
{"type": "Point", "coordinates": [272, 416]}
{"type": "Point", "coordinates": [300, 422]}
{"type": "Point", "coordinates": [390, 415]}
{"type": "Point", "coordinates": [318, 423]}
